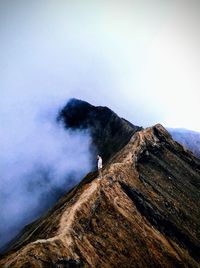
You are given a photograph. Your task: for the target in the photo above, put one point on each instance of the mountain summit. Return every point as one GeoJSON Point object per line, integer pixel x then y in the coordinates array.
{"type": "Point", "coordinates": [109, 132]}
{"type": "Point", "coordinates": [144, 212]}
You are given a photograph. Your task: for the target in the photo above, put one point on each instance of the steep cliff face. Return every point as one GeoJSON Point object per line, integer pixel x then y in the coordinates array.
{"type": "Point", "coordinates": [109, 132]}
{"type": "Point", "coordinates": [144, 212]}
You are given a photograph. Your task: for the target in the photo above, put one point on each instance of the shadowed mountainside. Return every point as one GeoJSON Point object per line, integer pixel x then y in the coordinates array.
{"type": "Point", "coordinates": [109, 132]}
{"type": "Point", "coordinates": [144, 212]}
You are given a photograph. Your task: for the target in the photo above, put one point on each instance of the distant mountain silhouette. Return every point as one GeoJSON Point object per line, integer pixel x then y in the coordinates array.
{"type": "Point", "coordinates": [189, 139]}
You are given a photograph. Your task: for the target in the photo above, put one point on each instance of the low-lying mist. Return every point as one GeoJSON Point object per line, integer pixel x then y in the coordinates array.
{"type": "Point", "coordinates": [39, 161]}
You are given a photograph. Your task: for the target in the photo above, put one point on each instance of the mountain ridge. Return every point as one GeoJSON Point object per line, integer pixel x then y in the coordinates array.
{"type": "Point", "coordinates": [143, 213]}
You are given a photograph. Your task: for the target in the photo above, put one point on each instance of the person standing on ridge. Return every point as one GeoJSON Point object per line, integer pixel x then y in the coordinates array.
{"type": "Point", "coordinates": [99, 165]}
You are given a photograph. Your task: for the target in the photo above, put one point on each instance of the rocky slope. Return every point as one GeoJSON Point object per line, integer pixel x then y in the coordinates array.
{"type": "Point", "coordinates": [109, 133]}
{"type": "Point", "coordinates": [189, 139]}
{"type": "Point", "coordinates": [144, 212]}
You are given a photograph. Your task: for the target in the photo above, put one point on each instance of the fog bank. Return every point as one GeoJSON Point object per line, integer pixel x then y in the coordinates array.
{"type": "Point", "coordinates": [39, 161]}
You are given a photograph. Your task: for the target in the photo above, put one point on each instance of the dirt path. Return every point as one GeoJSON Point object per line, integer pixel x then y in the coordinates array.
{"type": "Point", "coordinates": [66, 222]}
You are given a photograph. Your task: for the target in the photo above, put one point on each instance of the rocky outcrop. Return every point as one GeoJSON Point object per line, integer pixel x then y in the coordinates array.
{"type": "Point", "coordinates": [144, 212]}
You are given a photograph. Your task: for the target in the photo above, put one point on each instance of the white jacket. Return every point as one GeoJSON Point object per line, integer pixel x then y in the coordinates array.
{"type": "Point", "coordinates": [99, 163]}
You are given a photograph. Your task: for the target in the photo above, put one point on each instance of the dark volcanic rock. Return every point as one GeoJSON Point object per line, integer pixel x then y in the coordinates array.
{"type": "Point", "coordinates": [109, 132]}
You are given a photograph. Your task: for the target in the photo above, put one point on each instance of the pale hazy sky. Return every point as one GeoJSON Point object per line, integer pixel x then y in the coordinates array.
{"type": "Point", "coordinates": [141, 58]}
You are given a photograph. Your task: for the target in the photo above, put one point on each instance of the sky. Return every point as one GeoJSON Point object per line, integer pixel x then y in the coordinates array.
{"type": "Point", "coordinates": [140, 58]}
